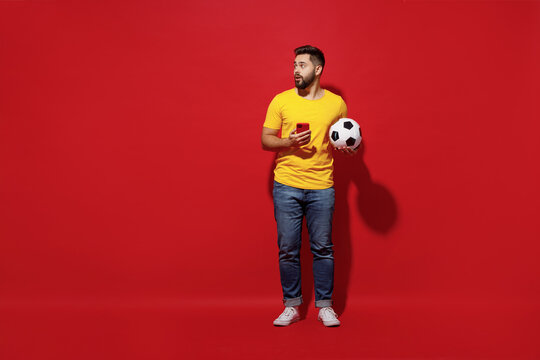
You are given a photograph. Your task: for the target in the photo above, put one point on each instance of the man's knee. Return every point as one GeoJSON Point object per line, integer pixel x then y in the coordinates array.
{"type": "Point", "coordinates": [323, 252]}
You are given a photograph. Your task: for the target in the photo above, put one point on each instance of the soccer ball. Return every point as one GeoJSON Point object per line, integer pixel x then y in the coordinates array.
{"type": "Point", "coordinates": [345, 133]}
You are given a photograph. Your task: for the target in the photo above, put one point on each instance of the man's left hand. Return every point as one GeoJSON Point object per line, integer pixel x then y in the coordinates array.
{"type": "Point", "coordinates": [348, 151]}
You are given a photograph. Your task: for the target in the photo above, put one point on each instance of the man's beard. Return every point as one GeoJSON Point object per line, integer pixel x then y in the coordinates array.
{"type": "Point", "coordinates": [304, 83]}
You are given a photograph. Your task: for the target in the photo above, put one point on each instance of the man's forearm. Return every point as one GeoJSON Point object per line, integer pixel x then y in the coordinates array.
{"type": "Point", "coordinates": [274, 143]}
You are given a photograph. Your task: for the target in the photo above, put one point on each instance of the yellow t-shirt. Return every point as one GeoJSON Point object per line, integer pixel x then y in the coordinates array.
{"type": "Point", "coordinates": [310, 166]}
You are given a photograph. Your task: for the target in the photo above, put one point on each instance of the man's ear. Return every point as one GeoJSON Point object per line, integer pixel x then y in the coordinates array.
{"type": "Point", "coordinates": [318, 70]}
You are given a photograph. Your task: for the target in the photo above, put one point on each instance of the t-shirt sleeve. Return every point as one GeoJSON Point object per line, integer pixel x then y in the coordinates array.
{"type": "Point", "coordinates": [273, 115]}
{"type": "Point", "coordinates": [343, 109]}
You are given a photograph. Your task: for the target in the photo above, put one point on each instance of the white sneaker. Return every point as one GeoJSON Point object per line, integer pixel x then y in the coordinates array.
{"type": "Point", "coordinates": [328, 317]}
{"type": "Point", "coordinates": [288, 316]}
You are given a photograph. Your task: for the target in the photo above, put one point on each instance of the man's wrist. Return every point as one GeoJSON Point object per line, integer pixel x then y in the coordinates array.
{"type": "Point", "coordinates": [286, 142]}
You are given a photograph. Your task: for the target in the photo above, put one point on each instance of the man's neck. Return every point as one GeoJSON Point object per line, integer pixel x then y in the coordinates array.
{"type": "Point", "coordinates": [312, 92]}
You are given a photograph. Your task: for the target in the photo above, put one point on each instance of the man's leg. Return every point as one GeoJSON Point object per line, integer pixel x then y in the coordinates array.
{"type": "Point", "coordinates": [288, 213]}
{"type": "Point", "coordinates": [319, 214]}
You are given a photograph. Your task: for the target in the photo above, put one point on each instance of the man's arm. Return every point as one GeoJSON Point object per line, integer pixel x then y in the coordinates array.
{"type": "Point", "coordinates": [271, 142]}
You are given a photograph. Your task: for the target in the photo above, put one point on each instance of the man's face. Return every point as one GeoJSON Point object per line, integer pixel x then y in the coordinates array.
{"type": "Point", "coordinates": [304, 71]}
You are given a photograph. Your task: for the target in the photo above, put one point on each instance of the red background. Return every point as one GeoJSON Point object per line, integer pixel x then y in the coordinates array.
{"type": "Point", "coordinates": [132, 176]}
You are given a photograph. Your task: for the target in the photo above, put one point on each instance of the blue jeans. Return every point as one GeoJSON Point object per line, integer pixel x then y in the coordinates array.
{"type": "Point", "coordinates": [290, 206]}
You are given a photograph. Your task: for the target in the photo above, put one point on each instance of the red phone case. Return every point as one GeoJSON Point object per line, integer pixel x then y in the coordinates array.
{"type": "Point", "coordinates": [301, 127]}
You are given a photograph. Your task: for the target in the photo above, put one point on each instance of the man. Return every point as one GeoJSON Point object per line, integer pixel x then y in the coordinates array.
{"type": "Point", "coordinates": [303, 181]}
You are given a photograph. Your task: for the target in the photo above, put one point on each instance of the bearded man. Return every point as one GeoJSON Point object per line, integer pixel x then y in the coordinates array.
{"type": "Point", "coordinates": [303, 181]}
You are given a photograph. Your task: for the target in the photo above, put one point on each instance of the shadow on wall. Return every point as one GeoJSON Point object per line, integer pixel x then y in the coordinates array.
{"type": "Point", "coordinates": [376, 206]}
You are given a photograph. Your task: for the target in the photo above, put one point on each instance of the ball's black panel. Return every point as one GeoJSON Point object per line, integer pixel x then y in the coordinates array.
{"type": "Point", "coordinates": [350, 141]}
{"type": "Point", "coordinates": [348, 125]}
{"type": "Point", "coordinates": [359, 129]}
{"type": "Point", "coordinates": [335, 135]}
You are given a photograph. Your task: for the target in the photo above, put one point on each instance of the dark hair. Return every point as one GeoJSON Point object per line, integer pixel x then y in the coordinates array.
{"type": "Point", "coordinates": [315, 55]}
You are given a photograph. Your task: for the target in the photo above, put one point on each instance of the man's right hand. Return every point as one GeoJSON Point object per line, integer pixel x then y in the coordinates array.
{"type": "Point", "coordinates": [271, 142]}
{"type": "Point", "coordinates": [300, 139]}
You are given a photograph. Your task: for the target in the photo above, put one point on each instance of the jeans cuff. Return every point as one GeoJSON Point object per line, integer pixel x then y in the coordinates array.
{"type": "Point", "coordinates": [323, 303]}
{"type": "Point", "coordinates": [293, 302]}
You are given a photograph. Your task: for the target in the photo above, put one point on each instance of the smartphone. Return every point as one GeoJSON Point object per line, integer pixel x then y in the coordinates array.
{"type": "Point", "coordinates": [301, 127]}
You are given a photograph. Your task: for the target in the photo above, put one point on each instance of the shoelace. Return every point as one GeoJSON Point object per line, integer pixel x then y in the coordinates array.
{"type": "Point", "coordinates": [331, 311]}
{"type": "Point", "coordinates": [288, 312]}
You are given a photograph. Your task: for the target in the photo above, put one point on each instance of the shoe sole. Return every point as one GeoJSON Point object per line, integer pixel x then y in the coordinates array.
{"type": "Point", "coordinates": [287, 324]}
{"type": "Point", "coordinates": [330, 324]}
